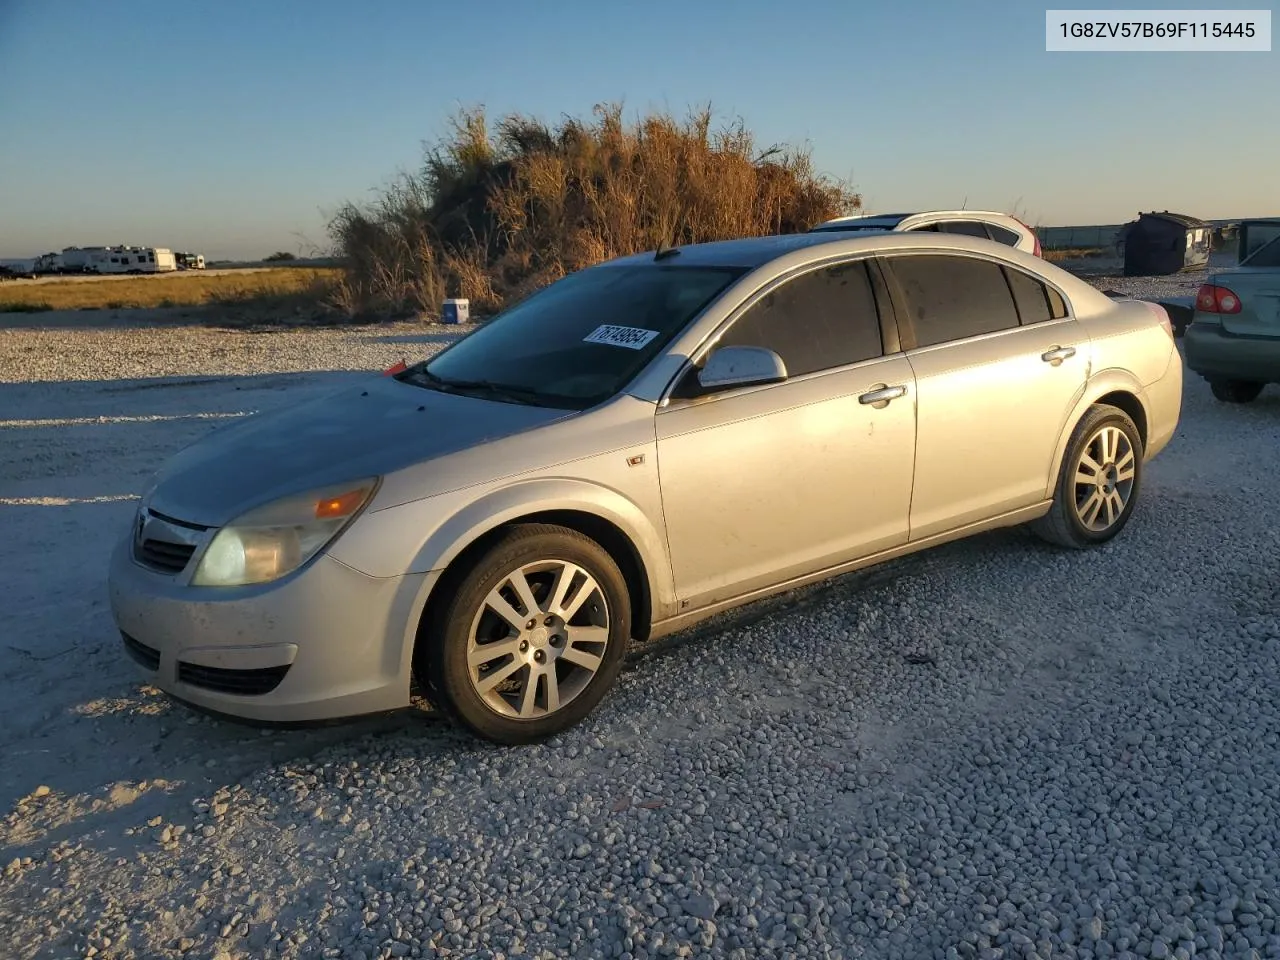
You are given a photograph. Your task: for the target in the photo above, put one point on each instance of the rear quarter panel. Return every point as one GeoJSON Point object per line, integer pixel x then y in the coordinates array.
{"type": "Point", "coordinates": [1129, 352]}
{"type": "Point", "coordinates": [1126, 335]}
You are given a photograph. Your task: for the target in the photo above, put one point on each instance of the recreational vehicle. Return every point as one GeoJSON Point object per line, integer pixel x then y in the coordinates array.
{"type": "Point", "coordinates": [131, 260]}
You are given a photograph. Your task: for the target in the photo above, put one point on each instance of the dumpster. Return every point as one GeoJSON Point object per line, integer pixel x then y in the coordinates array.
{"type": "Point", "coordinates": [1157, 244]}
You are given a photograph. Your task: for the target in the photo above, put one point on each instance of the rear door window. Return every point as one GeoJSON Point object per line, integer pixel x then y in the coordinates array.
{"type": "Point", "coordinates": [822, 319]}
{"type": "Point", "coordinates": [952, 297]}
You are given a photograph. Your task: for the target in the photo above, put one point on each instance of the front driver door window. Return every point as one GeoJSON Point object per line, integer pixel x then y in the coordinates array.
{"type": "Point", "coordinates": [763, 484]}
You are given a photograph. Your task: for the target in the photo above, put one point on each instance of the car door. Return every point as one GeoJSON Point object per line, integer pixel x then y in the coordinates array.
{"type": "Point", "coordinates": [998, 364]}
{"type": "Point", "coordinates": [766, 483]}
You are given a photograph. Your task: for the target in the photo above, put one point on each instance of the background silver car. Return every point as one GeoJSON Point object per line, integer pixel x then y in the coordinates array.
{"type": "Point", "coordinates": [987, 224]}
{"type": "Point", "coordinates": [640, 445]}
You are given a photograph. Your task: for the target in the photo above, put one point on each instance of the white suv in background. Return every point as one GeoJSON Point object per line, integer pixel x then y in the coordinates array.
{"type": "Point", "coordinates": [972, 223]}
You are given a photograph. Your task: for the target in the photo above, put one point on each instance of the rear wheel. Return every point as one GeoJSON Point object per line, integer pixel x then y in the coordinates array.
{"type": "Point", "coordinates": [1236, 391]}
{"type": "Point", "coordinates": [530, 638]}
{"type": "Point", "coordinates": [1098, 483]}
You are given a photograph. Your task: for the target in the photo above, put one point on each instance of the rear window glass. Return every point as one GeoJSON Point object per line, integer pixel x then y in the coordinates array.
{"type": "Point", "coordinates": [1267, 255]}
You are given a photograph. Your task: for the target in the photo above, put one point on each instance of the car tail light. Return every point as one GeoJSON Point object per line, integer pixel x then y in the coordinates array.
{"type": "Point", "coordinates": [1216, 299]}
{"type": "Point", "coordinates": [1037, 251]}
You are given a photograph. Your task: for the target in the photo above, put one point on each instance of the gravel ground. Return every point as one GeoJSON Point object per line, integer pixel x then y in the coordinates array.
{"type": "Point", "coordinates": [1107, 274]}
{"type": "Point", "coordinates": [993, 750]}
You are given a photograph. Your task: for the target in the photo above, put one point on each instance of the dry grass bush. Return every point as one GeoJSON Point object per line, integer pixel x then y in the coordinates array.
{"type": "Point", "coordinates": [290, 290]}
{"type": "Point", "coordinates": [492, 215]}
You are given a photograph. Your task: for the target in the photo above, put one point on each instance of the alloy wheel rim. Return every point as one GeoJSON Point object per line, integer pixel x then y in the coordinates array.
{"type": "Point", "coordinates": [538, 639]}
{"type": "Point", "coordinates": [1104, 479]}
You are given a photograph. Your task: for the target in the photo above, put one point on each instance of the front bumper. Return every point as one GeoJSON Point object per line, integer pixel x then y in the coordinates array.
{"type": "Point", "coordinates": [1215, 355]}
{"type": "Point", "coordinates": [323, 643]}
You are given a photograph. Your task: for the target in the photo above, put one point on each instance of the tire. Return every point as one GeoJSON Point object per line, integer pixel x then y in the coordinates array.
{"type": "Point", "coordinates": [1236, 391]}
{"type": "Point", "coordinates": [542, 556]}
{"type": "Point", "coordinates": [1073, 502]}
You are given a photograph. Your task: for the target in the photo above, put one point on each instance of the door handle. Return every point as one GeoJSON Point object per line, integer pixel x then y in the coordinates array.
{"type": "Point", "coordinates": [881, 395]}
{"type": "Point", "coordinates": [1058, 354]}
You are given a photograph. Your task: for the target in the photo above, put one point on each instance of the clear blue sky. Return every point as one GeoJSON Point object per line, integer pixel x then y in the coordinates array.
{"type": "Point", "coordinates": [231, 127]}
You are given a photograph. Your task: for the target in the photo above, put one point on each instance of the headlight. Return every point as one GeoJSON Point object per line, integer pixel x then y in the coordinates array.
{"type": "Point", "coordinates": [278, 537]}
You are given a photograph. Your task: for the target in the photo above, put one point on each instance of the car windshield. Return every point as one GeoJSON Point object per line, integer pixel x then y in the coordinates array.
{"type": "Point", "coordinates": [580, 340]}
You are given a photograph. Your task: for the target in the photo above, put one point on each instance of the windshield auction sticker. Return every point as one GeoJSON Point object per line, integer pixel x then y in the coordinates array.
{"type": "Point", "coordinates": [633, 338]}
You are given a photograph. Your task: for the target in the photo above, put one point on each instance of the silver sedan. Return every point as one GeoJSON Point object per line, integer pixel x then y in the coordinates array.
{"type": "Point", "coordinates": [636, 447]}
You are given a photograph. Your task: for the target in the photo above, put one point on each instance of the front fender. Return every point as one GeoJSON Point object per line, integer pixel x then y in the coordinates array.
{"type": "Point", "coordinates": [1114, 380]}
{"type": "Point", "coordinates": [427, 535]}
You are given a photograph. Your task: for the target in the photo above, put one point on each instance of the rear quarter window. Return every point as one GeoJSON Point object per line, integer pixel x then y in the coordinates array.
{"type": "Point", "coordinates": [1057, 305]}
{"type": "Point", "coordinates": [1035, 300]}
{"type": "Point", "coordinates": [1003, 235]}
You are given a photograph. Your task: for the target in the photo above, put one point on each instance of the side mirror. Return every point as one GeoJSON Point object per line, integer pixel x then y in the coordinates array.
{"type": "Point", "coordinates": [741, 367]}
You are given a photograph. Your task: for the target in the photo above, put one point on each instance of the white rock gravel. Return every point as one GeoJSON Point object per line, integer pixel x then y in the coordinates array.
{"type": "Point", "coordinates": [1108, 275]}
{"type": "Point", "coordinates": [995, 750]}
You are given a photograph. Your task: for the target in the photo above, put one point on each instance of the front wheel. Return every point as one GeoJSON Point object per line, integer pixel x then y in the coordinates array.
{"type": "Point", "coordinates": [530, 638]}
{"type": "Point", "coordinates": [1236, 391]}
{"type": "Point", "coordinates": [1098, 483]}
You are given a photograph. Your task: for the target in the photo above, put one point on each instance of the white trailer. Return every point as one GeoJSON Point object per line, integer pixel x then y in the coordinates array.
{"type": "Point", "coordinates": [131, 260]}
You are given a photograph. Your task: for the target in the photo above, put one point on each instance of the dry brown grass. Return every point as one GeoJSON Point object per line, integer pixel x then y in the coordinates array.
{"type": "Point", "coordinates": [495, 214]}
{"type": "Point", "coordinates": [1074, 253]}
{"type": "Point", "coordinates": [285, 289]}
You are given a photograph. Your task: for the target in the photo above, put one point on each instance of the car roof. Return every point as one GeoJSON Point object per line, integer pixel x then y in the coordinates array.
{"type": "Point", "coordinates": [896, 217]}
{"type": "Point", "coordinates": [745, 252]}
{"type": "Point", "coordinates": [752, 252]}
{"type": "Point", "coordinates": [891, 219]}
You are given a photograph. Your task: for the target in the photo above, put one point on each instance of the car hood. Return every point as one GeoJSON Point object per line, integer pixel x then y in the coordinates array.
{"type": "Point", "coordinates": [370, 429]}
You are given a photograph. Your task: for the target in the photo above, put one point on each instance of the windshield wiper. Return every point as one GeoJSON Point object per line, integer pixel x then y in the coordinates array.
{"type": "Point", "coordinates": [505, 391]}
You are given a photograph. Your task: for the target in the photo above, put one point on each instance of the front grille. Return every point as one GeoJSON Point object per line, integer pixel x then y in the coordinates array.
{"type": "Point", "coordinates": [163, 543]}
{"type": "Point", "coordinates": [140, 652]}
{"type": "Point", "coordinates": [242, 682]}
{"type": "Point", "coordinates": [163, 555]}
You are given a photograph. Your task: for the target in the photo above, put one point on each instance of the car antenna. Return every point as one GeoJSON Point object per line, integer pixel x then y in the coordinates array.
{"type": "Point", "coordinates": [665, 251]}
